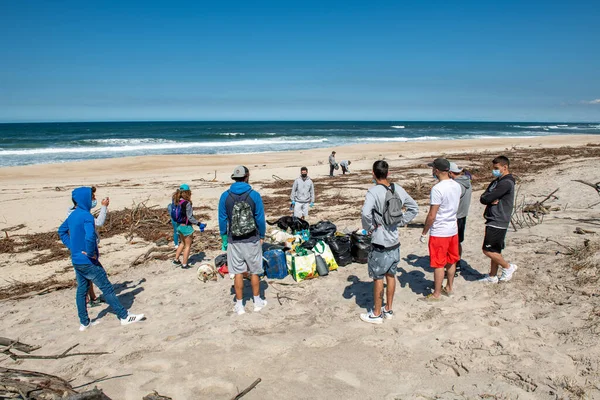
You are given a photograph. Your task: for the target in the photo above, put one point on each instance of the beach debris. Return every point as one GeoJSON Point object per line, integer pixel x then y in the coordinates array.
{"type": "Point", "coordinates": [22, 290]}
{"type": "Point", "coordinates": [15, 344]}
{"type": "Point", "coordinates": [247, 390]}
{"type": "Point", "coordinates": [530, 214]}
{"type": "Point", "coordinates": [64, 354]}
{"type": "Point", "coordinates": [206, 272]}
{"type": "Point", "coordinates": [15, 383]}
{"type": "Point", "coordinates": [11, 229]}
{"type": "Point", "coordinates": [581, 231]}
{"type": "Point", "coordinates": [155, 396]}
{"type": "Point", "coordinates": [593, 185]}
{"type": "Point", "coordinates": [94, 394]}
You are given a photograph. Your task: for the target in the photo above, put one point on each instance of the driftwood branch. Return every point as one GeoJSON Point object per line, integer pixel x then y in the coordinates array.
{"type": "Point", "coordinates": [593, 185]}
{"type": "Point", "coordinates": [33, 385]}
{"type": "Point", "coordinates": [155, 396]}
{"type": "Point", "coordinates": [94, 394]}
{"type": "Point", "coordinates": [247, 390]}
{"type": "Point", "coordinates": [64, 354]}
{"type": "Point", "coordinates": [15, 344]}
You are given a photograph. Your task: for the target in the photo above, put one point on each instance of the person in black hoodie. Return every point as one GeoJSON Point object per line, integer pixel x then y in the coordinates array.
{"type": "Point", "coordinates": [499, 198]}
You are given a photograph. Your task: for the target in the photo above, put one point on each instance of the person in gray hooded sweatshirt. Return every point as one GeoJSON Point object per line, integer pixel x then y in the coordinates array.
{"type": "Point", "coordinates": [303, 194]}
{"type": "Point", "coordinates": [466, 190]}
{"type": "Point", "coordinates": [385, 251]}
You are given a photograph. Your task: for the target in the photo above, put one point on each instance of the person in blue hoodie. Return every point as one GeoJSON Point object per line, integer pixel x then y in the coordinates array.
{"type": "Point", "coordinates": [242, 227]}
{"type": "Point", "coordinates": [78, 233]}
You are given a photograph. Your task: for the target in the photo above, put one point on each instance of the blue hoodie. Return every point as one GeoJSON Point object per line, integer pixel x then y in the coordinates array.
{"type": "Point", "coordinates": [78, 232]}
{"type": "Point", "coordinates": [259, 211]}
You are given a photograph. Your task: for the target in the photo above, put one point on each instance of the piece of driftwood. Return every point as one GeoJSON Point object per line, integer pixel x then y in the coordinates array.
{"type": "Point", "coordinates": [15, 344]}
{"type": "Point", "coordinates": [94, 394]}
{"type": "Point", "coordinates": [64, 354]}
{"type": "Point", "coordinates": [592, 185]}
{"type": "Point", "coordinates": [155, 396]}
{"type": "Point", "coordinates": [581, 231]}
{"type": "Point", "coordinates": [247, 390]}
{"type": "Point", "coordinates": [16, 383]}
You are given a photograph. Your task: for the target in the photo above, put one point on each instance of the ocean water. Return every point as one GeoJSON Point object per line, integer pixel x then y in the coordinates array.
{"type": "Point", "coordinates": [22, 144]}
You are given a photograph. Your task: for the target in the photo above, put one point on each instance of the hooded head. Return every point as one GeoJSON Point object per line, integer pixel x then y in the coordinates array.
{"type": "Point", "coordinates": [83, 197]}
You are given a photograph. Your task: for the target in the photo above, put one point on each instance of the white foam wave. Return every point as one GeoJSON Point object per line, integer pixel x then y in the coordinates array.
{"type": "Point", "coordinates": [398, 126]}
{"type": "Point", "coordinates": [527, 126]}
{"type": "Point", "coordinates": [232, 134]}
{"type": "Point", "coordinates": [158, 147]}
{"type": "Point", "coordinates": [400, 139]}
{"type": "Point", "coordinates": [121, 142]}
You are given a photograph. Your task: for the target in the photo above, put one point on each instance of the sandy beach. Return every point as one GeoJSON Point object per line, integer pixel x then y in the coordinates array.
{"type": "Point", "coordinates": [535, 337]}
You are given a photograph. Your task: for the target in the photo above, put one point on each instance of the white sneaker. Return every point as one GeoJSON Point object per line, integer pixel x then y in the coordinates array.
{"type": "Point", "coordinates": [260, 305]}
{"type": "Point", "coordinates": [132, 319]}
{"type": "Point", "coordinates": [239, 309]}
{"type": "Point", "coordinates": [371, 319]}
{"type": "Point", "coordinates": [387, 314]}
{"type": "Point", "coordinates": [508, 273]}
{"type": "Point", "coordinates": [488, 279]}
{"type": "Point", "coordinates": [86, 327]}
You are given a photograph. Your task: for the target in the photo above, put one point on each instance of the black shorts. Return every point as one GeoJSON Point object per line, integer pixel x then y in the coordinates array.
{"type": "Point", "coordinates": [462, 224]}
{"type": "Point", "coordinates": [494, 239]}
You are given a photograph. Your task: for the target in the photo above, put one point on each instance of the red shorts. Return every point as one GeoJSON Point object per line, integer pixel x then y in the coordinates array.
{"type": "Point", "coordinates": [443, 251]}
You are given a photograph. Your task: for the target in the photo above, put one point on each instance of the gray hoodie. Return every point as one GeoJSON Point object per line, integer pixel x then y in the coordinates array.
{"type": "Point", "coordinates": [385, 235]}
{"type": "Point", "coordinates": [303, 191]}
{"type": "Point", "coordinates": [331, 159]}
{"type": "Point", "coordinates": [466, 190]}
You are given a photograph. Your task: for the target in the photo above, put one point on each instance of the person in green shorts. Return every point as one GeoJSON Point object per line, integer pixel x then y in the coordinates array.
{"type": "Point", "coordinates": [182, 200]}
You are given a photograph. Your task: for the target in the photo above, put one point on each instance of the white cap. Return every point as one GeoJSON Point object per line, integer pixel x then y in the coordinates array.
{"type": "Point", "coordinates": [454, 168]}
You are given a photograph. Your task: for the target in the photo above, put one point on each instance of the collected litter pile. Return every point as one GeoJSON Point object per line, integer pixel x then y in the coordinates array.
{"type": "Point", "coordinates": [309, 253]}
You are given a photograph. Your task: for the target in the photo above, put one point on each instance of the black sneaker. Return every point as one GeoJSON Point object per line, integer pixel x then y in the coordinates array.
{"type": "Point", "coordinates": [177, 263]}
{"type": "Point", "coordinates": [186, 266]}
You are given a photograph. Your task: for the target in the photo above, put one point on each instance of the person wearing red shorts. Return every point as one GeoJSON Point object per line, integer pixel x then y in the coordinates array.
{"type": "Point", "coordinates": [441, 225]}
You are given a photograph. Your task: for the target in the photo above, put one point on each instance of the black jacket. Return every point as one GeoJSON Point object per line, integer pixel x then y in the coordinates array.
{"type": "Point", "coordinates": [503, 190]}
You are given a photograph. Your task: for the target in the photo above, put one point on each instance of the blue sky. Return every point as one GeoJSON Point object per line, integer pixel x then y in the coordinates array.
{"type": "Point", "coordinates": [309, 60]}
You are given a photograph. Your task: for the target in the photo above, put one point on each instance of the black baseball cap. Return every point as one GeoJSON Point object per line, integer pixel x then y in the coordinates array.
{"type": "Point", "coordinates": [441, 164]}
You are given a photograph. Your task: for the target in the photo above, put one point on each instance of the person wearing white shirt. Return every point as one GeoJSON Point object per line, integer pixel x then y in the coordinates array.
{"type": "Point", "coordinates": [443, 229]}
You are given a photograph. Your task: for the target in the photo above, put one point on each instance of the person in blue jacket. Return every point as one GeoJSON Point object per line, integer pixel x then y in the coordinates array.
{"type": "Point", "coordinates": [242, 227]}
{"type": "Point", "coordinates": [78, 233]}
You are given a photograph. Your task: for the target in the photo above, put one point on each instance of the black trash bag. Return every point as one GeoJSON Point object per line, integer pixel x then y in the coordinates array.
{"type": "Point", "coordinates": [221, 260]}
{"type": "Point", "coordinates": [309, 244]}
{"type": "Point", "coordinates": [322, 229]}
{"type": "Point", "coordinates": [341, 248]}
{"type": "Point", "coordinates": [361, 246]}
{"type": "Point", "coordinates": [322, 267]}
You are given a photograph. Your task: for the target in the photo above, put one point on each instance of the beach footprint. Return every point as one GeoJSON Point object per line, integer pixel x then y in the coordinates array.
{"type": "Point", "coordinates": [321, 341]}
{"type": "Point", "coordinates": [348, 378]}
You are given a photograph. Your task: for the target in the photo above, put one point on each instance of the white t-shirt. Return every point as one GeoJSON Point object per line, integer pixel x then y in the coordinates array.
{"type": "Point", "coordinates": [446, 194]}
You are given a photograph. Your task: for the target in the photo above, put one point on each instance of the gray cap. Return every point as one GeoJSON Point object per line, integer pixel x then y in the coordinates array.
{"type": "Point", "coordinates": [239, 172]}
{"type": "Point", "coordinates": [454, 168]}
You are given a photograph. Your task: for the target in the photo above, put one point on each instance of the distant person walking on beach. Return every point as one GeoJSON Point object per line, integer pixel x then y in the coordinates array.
{"type": "Point", "coordinates": [466, 190]}
{"type": "Point", "coordinates": [182, 212]}
{"type": "Point", "coordinates": [92, 299]}
{"type": "Point", "coordinates": [345, 164]}
{"type": "Point", "coordinates": [303, 194]}
{"type": "Point", "coordinates": [442, 225]}
{"type": "Point", "coordinates": [381, 216]}
{"type": "Point", "coordinates": [78, 233]}
{"type": "Point", "coordinates": [499, 200]}
{"type": "Point", "coordinates": [332, 163]}
{"type": "Point", "coordinates": [242, 227]}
